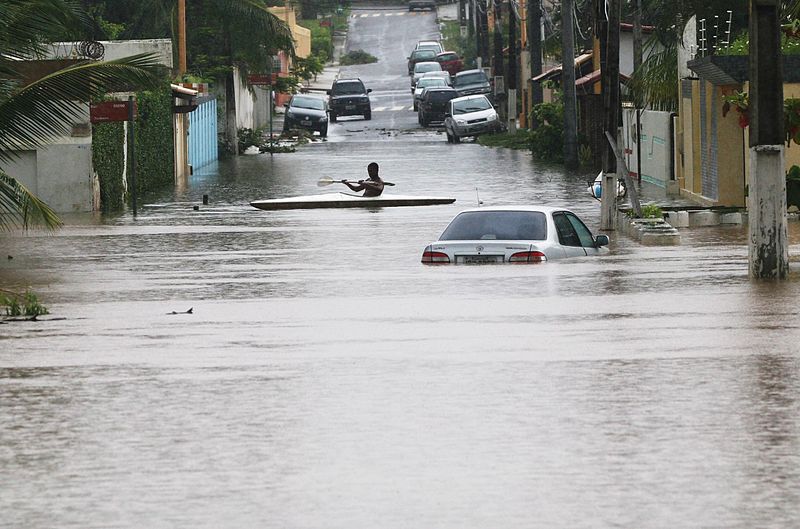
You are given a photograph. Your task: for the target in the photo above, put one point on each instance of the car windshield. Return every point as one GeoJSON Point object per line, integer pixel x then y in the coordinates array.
{"type": "Point", "coordinates": [471, 78]}
{"type": "Point", "coordinates": [431, 81]}
{"type": "Point", "coordinates": [340, 89]}
{"type": "Point", "coordinates": [442, 96]}
{"type": "Point", "coordinates": [471, 105]}
{"type": "Point", "coordinates": [497, 225]}
{"type": "Point", "coordinates": [427, 67]}
{"type": "Point", "coordinates": [308, 102]}
{"type": "Point", "coordinates": [424, 54]}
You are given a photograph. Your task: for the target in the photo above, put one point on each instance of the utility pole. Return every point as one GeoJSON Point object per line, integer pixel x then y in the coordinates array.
{"type": "Point", "coordinates": [498, 39]}
{"type": "Point", "coordinates": [568, 86]}
{"type": "Point", "coordinates": [534, 28]}
{"type": "Point", "coordinates": [611, 105]}
{"type": "Point", "coordinates": [511, 81]}
{"type": "Point", "coordinates": [766, 204]}
{"type": "Point", "coordinates": [637, 63]}
{"type": "Point", "coordinates": [181, 37]}
{"type": "Point", "coordinates": [462, 13]}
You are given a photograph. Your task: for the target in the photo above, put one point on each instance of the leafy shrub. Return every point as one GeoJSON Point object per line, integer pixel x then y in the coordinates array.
{"type": "Point", "coordinates": [357, 57]}
{"type": "Point", "coordinates": [547, 138]}
{"type": "Point", "coordinates": [30, 305]}
{"type": "Point", "coordinates": [249, 138]}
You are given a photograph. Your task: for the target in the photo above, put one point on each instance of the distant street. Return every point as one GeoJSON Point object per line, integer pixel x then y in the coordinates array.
{"type": "Point", "coordinates": [326, 379]}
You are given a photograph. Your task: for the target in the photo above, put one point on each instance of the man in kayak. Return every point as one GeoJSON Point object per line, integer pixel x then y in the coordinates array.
{"type": "Point", "coordinates": [373, 186]}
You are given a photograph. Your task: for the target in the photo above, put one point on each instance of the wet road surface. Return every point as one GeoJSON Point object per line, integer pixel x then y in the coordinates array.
{"type": "Point", "coordinates": [327, 379]}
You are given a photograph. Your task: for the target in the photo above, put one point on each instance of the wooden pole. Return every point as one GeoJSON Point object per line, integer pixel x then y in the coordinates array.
{"type": "Point", "coordinates": [132, 149]}
{"type": "Point", "coordinates": [768, 242]}
{"type": "Point", "coordinates": [534, 28]}
{"type": "Point", "coordinates": [568, 86]}
{"type": "Point", "coordinates": [611, 104]}
{"type": "Point", "coordinates": [181, 37]}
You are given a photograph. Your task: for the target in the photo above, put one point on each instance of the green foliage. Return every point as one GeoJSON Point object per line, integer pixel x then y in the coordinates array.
{"type": "Point", "coordinates": [29, 306]}
{"type": "Point", "coordinates": [154, 140]}
{"type": "Point", "coordinates": [520, 139]}
{"type": "Point", "coordinates": [652, 211]}
{"type": "Point", "coordinates": [585, 155]}
{"type": "Point", "coordinates": [741, 46]}
{"type": "Point", "coordinates": [357, 57]}
{"type": "Point", "coordinates": [321, 39]}
{"type": "Point", "coordinates": [308, 67]}
{"type": "Point", "coordinates": [108, 159]}
{"type": "Point", "coordinates": [793, 173]}
{"type": "Point", "coordinates": [547, 139]}
{"type": "Point", "coordinates": [247, 137]}
{"type": "Point", "coordinates": [453, 41]}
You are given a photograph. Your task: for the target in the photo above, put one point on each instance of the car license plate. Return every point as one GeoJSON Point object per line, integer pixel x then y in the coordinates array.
{"type": "Point", "coordinates": [479, 259]}
{"type": "Point", "coordinates": [305, 122]}
{"type": "Point", "coordinates": [349, 107]}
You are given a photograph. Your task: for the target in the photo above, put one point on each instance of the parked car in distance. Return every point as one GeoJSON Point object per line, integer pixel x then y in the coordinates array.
{"type": "Point", "coordinates": [469, 82]}
{"type": "Point", "coordinates": [306, 112]}
{"type": "Point", "coordinates": [421, 4]}
{"type": "Point", "coordinates": [420, 56]}
{"type": "Point", "coordinates": [470, 116]}
{"type": "Point", "coordinates": [349, 97]}
{"type": "Point", "coordinates": [421, 68]}
{"type": "Point", "coordinates": [513, 234]}
{"type": "Point", "coordinates": [450, 62]}
{"type": "Point", "coordinates": [434, 45]}
{"type": "Point", "coordinates": [424, 83]}
{"type": "Point", "coordinates": [434, 104]}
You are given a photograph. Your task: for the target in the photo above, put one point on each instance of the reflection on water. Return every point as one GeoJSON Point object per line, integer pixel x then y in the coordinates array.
{"type": "Point", "coordinates": [327, 379]}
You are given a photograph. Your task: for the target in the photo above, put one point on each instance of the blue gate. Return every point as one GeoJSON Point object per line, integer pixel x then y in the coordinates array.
{"type": "Point", "coordinates": [203, 133]}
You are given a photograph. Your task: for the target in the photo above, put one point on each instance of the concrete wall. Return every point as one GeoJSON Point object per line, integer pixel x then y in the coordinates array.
{"type": "Point", "coordinates": [655, 145]}
{"type": "Point", "coordinates": [252, 111]}
{"type": "Point", "coordinates": [117, 49]}
{"type": "Point", "coordinates": [61, 173]}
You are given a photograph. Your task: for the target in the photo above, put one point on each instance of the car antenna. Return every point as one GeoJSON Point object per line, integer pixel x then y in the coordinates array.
{"type": "Point", "coordinates": [478, 197]}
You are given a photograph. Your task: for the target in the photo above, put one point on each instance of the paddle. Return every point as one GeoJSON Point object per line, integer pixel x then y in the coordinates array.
{"type": "Point", "coordinates": [328, 181]}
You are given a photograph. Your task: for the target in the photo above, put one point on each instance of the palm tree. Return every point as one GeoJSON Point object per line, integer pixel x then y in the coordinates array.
{"type": "Point", "coordinates": [221, 35]}
{"type": "Point", "coordinates": [38, 112]}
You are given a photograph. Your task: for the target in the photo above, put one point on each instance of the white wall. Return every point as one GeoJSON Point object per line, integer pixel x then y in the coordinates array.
{"type": "Point", "coordinates": [656, 145]}
{"type": "Point", "coordinates": [251, 106]}
{"type": "Point", "coordinates": [61, 173]}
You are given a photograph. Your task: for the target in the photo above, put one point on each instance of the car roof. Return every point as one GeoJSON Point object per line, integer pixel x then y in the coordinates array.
{"type": "Point", "coordinates": [467, 98]}
{"type": "Point", "coordinates": [441, 89]}
{"type": "Point", "coordinates": [466, 72]}
{"type": "Point", "coordinates": [429, 42]}
{"type": "Point", "coordinates": [524, 207]}
{"type": "Point", "coordinates": [447, 52]}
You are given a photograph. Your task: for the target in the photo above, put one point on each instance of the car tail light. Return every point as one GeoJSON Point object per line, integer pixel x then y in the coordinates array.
{"type": "Point", "coordinates": [527, 257]}
{"type": "Point", "coordinates": [431, 257]}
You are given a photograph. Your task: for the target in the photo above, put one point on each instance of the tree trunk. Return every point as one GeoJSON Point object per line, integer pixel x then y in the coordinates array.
{"type": "Point", "coordinates": [637, 36]}
{"type": "Point", "coordinates": [568, 86]}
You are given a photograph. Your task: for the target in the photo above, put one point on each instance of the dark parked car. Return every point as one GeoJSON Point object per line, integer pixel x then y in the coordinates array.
{"type": "Point", "coordinates": [349, 97]}
{"type": "Point", "coordinates": [434, 104]}
{"type": "Point", "coordinates": [306, 112]}
{"type": "Point", "coordinates": [420, 56]}
{"type": "Point", "coordinates": [471, 82]}
{"type": "Point", "coordinates": [421, 4]}
{"type": "Point", "coordinates": [450, 62]}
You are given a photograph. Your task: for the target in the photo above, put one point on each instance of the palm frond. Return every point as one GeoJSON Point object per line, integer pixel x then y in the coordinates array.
{"type": "Point", "coordinates": [19, 208]}
{"type": "Point", "coordinates": [655, 84]}
{"type": "Point", "coordinates": [46, 109]}
{"type": "Point", "coordinates": [25, 25]}
{"type": "Point", "coordinates": [253, 19]}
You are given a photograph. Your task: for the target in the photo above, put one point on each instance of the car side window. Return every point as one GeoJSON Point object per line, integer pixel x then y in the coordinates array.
{"type": "Point", "coordinates": [585, 236]}
{"type": "Point", "coordinates": [566, 233]}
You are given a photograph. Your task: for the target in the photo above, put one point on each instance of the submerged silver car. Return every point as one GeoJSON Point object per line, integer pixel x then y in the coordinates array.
{"type": "Point", "coordinates": [513, 234]}
{"type": "Point", "coordinates": [470, 116]}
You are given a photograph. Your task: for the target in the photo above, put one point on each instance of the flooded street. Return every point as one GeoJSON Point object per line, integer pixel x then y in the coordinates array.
{"type": "Point", "coordinates": [327, 379]}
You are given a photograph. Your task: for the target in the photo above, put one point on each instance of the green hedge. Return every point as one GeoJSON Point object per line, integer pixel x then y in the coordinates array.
{"type": "Point", "coordinates": [154, 150]}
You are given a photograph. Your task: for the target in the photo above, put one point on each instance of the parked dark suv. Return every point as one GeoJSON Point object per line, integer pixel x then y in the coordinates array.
{"type": "Point", "coordinates": [434, 104]}
{"type": "Point", "coordinates": [349, 97]}
{"type": "Point", "coordinates": [421, 4]}
{"type": "Point", "coordinates": [471, 82]}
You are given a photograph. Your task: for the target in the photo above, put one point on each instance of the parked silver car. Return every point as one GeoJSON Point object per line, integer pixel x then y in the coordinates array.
{"type": "Point", "coordinates": [421, 68]}
{"type": "Point", "coordinates": [513, 234]}
{"type": "Point", "coordinates": [470, 116]}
